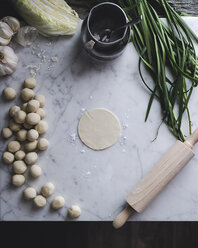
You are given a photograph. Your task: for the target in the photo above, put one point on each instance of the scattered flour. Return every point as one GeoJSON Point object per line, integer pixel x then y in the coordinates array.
{"type": "Point", "coordinates": [123, 141]}
{"type": "Point", "coordinates": [54, 59]}
{"type": "Point", "coordinates": [73, 137]}
{"type": "Point", "coordinates": [125, 125]}
{"type": "Point", "coordinates": [41, 54]}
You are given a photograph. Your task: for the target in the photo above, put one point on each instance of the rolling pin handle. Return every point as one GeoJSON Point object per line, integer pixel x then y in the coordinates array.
{"type": "Point", "coordinates": [121, 219]}
{"type": "Point", "coordinates": [193, 139]}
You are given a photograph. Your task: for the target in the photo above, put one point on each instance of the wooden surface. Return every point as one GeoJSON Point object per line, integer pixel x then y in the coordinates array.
{"type": "Point", "coordinates": [187, 6]}
{"type": "Point", "coordinates": [102, 234]}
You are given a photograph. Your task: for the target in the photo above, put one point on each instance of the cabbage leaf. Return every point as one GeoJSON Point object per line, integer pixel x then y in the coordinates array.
{"type": "Point", "coordinates": [49, 17]}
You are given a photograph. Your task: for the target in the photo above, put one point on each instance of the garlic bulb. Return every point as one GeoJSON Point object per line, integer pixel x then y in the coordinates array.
{"type": "Point", "coordinates": [8, 60]}
{"type": "Point", "coordinates": [8, 27]}
{"type": "Point", "coordinates": [12, 22]}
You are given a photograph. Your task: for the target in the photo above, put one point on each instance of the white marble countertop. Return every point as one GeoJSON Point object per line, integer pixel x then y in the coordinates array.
{"type": "Point", "coordinates": [98, 181]}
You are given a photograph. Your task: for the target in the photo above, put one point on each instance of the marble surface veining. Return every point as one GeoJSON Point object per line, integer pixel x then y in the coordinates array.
{"type": "Point", "coordinates": [97, 181]}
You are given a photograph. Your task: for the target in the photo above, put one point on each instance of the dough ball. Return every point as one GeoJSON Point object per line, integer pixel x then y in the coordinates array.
{"type": "Point", "coordinates": [58, 202]}
{"type": "Point", "coordinates": [14, 146]}
{"type": "Point", "coordinates": [41, 127]}
{"type": "Point", "coordinates": [19, 167]}
{"type": "Point", "coordinates": [47, 189]}
{"type": "Point", "coordinates": [43, 144]}
{"type": "Point", "coordinates": [20, 155]}
{"type": "Point", "coordinates": [21, 135]}
{"type": "Point", "coordinates": [40, 201]}
{"type": "Point", "coordinates": [35, 171]}
{"type": "Point", "coordinates": [15, 127]}
{"type": "Point", "coordinates": [27, 126]}
{"type": "Point", "coordinates": [32, 135]}
{"type": "Point", "coordinates": [20, 116]}
{"type": "Point", "coordinates": [27, 94]}
{"type": "Point", "coordinates": [41, 99]}
{"type": "Point", "coordinates": [18, 180]}
{"type": "Point", "coordinates": [99, 129]}
{"type": "Point", "coordinates": [24, 107]}
{"type": "Point", "coordinates": [9, 93]}
{"type": "Point", "coordinates": [6, 132]}
{"type": "Point", "coordinates": [31, 158]}
{"type": "Point", "coordinates": [33, 106]}
{"type": "Point", "coordinates": [41, 112]}
{"type": "Point", "coordinates": [33, 118]}
{"type": "Point", "coordinates": [31, 146]}
{"type": "Point", "coordinates": [30, 83]}
{"type": "Point", "coordinates": [29, 193]}
{"type": "Point", "coordinates": [8, 157]}
{"type": "Point", "coordinates": [13, 110]}
{"type": "Point", "coordinates": [74, 211]}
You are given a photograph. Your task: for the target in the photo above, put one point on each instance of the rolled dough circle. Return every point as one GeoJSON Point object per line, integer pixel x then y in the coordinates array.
{"type": "Point", "coordinates": [99, 129]}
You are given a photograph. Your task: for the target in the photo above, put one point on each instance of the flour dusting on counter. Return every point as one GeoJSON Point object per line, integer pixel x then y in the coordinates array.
{"type": "Point", "coordinates": [44, 57]}
{"type": "Point", "coordinates": [73, 137]}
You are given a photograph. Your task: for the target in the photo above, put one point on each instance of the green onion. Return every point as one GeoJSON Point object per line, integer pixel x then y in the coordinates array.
{"type": "Point", "coordinates": [160, 47]}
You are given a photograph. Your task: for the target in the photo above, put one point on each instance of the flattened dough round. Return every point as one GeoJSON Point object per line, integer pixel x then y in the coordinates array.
{"type": "Point", "coordinates": [99, 129]}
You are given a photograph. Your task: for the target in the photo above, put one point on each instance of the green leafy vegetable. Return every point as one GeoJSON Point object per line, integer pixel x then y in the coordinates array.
{"type": "Point", "coordinates": [50, 17]}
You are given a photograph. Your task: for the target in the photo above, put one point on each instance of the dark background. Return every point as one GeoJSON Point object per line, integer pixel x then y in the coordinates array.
{"type": "Point", "coordinates": [187, 6]}
{"type": "Point", "coordinates": [101, 234]}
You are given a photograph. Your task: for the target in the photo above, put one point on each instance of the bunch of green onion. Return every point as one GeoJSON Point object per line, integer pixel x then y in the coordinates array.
{"type": "Point", "coordinates": [160, 47]}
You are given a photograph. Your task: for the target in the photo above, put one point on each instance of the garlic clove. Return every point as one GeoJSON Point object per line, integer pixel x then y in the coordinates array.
{"type": "Point", "coordinates": [4, 42]}
{"type": "Point", "coordinates": [8, 60]}
{"type": "Point", "coordinates": [5, 31]}
{"type": "Point", "coordinates": [26, 35]}
{"type": "Point", "coordinates": [9, 56]}
{"type": "Point", "coordinates": [5, 70]}
{"type": "Point", "coordinates": [12, 22]}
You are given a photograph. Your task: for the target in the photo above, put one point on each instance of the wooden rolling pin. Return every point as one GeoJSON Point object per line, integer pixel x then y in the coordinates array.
{"type": "Point", "coordinates": [156, 179]}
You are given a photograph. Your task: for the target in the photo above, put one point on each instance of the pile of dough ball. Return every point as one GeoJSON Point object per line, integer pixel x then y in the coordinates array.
{"type": "Point", "coordinates": [40, 199]}
{"type": "Point", "coordinates": [26, 124]}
